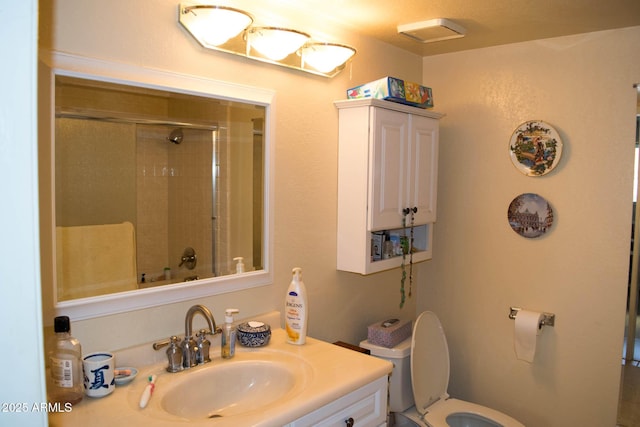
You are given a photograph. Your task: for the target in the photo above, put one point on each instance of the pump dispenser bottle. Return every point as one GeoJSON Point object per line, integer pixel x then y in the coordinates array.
{"type": "Point", "coordinates": [65, 359]}
{"type": "Point", "coordinates": [239, 264]}
{"type": "Point", "coordinates": [296, 309]}
{"type": "Point", "coordinates": [228, 339]}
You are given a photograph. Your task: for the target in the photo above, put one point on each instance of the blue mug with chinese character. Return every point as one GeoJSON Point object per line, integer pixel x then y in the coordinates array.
{"type": "Point", "coordinates": [99, 374]}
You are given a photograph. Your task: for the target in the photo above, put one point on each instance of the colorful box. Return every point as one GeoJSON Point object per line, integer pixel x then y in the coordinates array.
{"type": "Point", "coordinates": [396, 90]}
{"type": "Point", "coordinates": [389, 333]}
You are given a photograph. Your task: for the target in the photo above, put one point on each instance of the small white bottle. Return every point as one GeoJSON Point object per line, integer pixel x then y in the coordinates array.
{"type": "Point", "coordinates": [239, 264]}
{"type": "Point", "coordinates": [295, 310]}
{"type": "Point", "coordinates": [228, 339]}
{"type": "Point", "coordinates": [65, 359]}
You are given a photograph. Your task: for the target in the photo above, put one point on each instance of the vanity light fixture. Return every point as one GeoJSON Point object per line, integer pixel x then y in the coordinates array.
{"type": "Point", "coordinates": [215, 25]}
{"type": "Point", "coordinates": [275, 43]}
{"type": "Point", "coordinates": [325, 57]}
{"type": "Point", "coordinates": [290, 48]}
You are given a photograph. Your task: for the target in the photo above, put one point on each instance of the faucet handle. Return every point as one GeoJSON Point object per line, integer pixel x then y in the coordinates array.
{"type": "Point", "coordinates": [160, 344]}
{"type": "Point", "coordinates": [203, 344]}
{"type": "Point", "coordinates": [174, 353]}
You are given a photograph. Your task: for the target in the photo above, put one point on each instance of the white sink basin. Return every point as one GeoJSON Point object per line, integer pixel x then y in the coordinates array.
{"type": "Point", "coordinates": [224, 388]}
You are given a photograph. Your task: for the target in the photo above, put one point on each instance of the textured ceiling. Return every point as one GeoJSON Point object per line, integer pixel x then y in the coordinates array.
{"type": "Point", "coordinates": [488, 22]}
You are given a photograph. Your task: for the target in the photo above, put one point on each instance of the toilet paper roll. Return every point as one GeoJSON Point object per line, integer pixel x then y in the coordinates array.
{"type": "Point", "coordinates": [527, 329]}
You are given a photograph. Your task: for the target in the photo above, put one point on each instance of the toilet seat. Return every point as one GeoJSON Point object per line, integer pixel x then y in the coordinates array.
{"type": "Point", "coordinates": [430, 379]}
{"type": "Point", "coordinates": [429, 361]}
{"type": "Point", "coordinates": [482, 416]}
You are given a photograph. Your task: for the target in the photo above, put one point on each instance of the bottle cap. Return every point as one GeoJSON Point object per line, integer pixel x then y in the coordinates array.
{"type": "Point", "coordinates": [61, 324]}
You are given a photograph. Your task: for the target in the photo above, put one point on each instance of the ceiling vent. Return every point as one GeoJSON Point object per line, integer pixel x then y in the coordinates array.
{"type": "Point", "coordinates": [432, 30]}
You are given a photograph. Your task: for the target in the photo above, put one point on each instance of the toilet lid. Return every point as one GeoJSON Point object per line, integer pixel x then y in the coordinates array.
{"type": "Point", "coordinates": [429, 361]}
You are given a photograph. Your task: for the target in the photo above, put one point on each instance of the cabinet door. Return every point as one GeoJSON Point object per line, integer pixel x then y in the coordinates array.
{"type": "Point", "coordinates": [365, 407]}
{"type": "Point", "coordinates": [423, 158]}
{"type": "Point", "coordinates": [388, 168]}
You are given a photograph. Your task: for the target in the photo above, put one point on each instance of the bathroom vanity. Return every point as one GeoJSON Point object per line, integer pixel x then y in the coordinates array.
{"type": "Point", "coordinates": [276, 385]}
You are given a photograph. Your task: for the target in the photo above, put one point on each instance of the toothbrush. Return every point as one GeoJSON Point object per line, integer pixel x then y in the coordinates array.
{"type": "Point", "coordinates": [148, 391]}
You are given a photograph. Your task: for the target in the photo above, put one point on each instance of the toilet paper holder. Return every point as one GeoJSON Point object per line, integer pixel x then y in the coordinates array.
{"type": "Point", "coordinates": [548, 319]}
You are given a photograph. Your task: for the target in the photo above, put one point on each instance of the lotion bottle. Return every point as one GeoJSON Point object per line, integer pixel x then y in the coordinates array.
{"type": "Point", "coordinates": [65, 358]}
{"type": "Point", "coordinates": [228, 339]}
{"type": "Point", "coordinates": [296, 309]}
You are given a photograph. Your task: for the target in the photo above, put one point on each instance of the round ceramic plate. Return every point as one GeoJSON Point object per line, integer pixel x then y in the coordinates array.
{"type": "Point", "coordinates": [530, 215]}
{"type": "Point", "coordinates": [124, 378]}
{"type": "Point", "coordinates": [535, 148]}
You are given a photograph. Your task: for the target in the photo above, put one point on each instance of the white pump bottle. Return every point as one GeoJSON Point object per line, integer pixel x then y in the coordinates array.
{"type": "Point", "coordinates": [239, 264]}
{"type": "Point", "coordinates": [296, 309]}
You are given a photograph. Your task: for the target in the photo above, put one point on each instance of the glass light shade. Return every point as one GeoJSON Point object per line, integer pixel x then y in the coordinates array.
{"type": "Point", "coordinates": [326, 57]}
{"type": "Point", "coordinates": [215, 25]}
{"type": "Point", "coordinates": [276, 43]}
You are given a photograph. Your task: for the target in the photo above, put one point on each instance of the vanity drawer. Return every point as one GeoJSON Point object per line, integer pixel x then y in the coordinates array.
{"type": "Point", "coordinates": [367, 406]}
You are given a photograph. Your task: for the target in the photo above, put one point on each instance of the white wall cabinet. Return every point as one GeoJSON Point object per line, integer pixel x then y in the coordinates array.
{"type": "Point", "coordinates": [365, 407]}
{"type": "Point", "coordinates": [388, 162]}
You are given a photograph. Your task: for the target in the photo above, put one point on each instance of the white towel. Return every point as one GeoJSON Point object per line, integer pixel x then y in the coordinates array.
{"type": "Point", "coordinates": [95, 260]}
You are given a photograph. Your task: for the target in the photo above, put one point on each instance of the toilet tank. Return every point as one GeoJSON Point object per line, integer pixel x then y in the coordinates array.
{"type": "Point", "coordinates": [400, 391]}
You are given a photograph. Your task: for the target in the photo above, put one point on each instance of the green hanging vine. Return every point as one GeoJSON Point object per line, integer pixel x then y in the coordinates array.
{"type": "Point", "coordinates": [407, 248]}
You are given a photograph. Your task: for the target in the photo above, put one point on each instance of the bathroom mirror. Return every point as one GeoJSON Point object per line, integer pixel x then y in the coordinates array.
{"type": "Point", "coordinates": [160, 187]}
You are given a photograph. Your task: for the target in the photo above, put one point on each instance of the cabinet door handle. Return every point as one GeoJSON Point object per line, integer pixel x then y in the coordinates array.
{"type": "Point", "coordinates": [407, 211]}
{"type": "Point", "coordinates": [350, 422]}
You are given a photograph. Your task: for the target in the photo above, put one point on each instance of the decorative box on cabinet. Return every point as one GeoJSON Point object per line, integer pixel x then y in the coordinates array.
{"type": "Point", "coordinates": [387, 162]}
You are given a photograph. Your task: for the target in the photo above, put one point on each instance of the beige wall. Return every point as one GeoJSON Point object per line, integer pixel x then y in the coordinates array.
{"type": "Point", "coordinates": [90, 190]}
{"type": "Point", "coordinates": [581, 85]}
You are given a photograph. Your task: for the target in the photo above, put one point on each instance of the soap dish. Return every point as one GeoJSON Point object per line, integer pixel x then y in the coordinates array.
{"type": "Point", "coordinates": [253, 334]}
{"type": "Point", "coordinates": [122, 377]}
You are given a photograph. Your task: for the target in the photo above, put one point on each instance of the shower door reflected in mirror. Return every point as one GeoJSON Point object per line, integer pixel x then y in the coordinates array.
{"type": "Point", "coordinates": [141, 175]}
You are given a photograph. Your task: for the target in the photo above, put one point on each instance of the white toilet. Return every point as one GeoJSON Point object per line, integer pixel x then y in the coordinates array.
{"type": "Point", "coordinates": [421, 364]}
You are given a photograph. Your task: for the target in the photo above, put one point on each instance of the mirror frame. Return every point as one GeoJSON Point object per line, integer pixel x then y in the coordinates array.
{"type": "Point", "coordinates": [57, 63]}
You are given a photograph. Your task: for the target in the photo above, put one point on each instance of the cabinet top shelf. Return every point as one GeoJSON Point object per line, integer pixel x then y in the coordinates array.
{"type": "Point", "coordinates": [389, 105]}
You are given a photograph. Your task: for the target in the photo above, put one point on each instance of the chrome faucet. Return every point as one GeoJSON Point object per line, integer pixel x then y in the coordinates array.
{"type": "Point", "coordinates": [188, 353]}
{"type": "Point", "coordinates": [190, 349]}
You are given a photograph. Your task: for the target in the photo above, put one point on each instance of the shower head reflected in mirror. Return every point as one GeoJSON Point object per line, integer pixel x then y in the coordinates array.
{"type": "Point", "coordinates": [175, 136]}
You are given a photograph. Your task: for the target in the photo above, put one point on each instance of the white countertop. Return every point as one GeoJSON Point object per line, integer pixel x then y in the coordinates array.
{"type": "Point", "coordinates": [335, 372]}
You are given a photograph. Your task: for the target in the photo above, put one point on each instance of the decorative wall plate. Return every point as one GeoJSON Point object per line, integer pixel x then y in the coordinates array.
{"type": "Point", "coordinates": [535, 148]}
{"type": "Point", "coordinates": [530, 215]}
